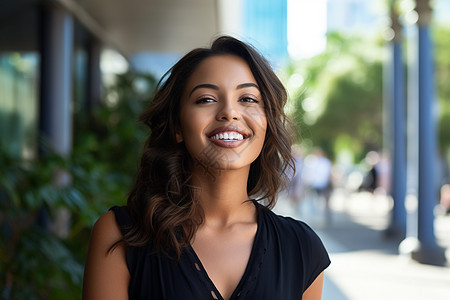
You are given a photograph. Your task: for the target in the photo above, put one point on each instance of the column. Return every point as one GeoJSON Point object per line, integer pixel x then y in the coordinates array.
{"type": "Point", "coordinates": [427, 251]}
{"type": "Point", "coordinates": [55, 113]}
{"type": "Point", "coordinates": [56, 78]}
{"type": "Point", "coordinates": [94, 79]}
{"type": "Point", "coordinates": [397, 225]}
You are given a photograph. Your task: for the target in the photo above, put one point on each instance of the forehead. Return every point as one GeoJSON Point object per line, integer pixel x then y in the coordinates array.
{"type": "Point", "coordinates": [222, 70]}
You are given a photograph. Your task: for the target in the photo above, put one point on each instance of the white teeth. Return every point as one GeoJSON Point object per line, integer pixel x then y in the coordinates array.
{"type": "Point", "coordinates": [228, 136]}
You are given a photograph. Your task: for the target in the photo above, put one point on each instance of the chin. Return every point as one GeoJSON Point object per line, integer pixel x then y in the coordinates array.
{"type": "Point", "coordinates": [236, 163]}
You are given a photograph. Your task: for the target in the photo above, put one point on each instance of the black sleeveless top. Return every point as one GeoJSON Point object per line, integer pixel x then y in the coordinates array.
{"type": "Point", "coordinates": [285, 259]}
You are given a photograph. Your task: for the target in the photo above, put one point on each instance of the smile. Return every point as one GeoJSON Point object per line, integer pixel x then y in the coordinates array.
{"type": "Point", "coordinates": [228, 135]}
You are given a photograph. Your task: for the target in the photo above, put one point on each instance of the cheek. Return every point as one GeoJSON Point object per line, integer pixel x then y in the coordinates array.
{"type": "Point", "coordinates": [259, 121]}
{"type": "Point", "coordinates": [192, 130]}
{"type": "Point", "coordinates": [261, 134]}
{"type": "Point", "coordinates": [191, 127]}
{"type": "Point", "coordinates": [261, 126]}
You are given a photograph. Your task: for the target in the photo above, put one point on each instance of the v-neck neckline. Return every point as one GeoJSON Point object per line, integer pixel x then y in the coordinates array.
{"type": "Point", "coordinates": [251, 270]}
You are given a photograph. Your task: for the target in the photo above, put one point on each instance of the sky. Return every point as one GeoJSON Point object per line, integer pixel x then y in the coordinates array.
{"type": "Point", "coordinates": [307, 26]}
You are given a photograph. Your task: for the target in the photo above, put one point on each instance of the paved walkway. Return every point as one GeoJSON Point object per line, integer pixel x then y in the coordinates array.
{"type": "Point", "coordinates": [364, 264]}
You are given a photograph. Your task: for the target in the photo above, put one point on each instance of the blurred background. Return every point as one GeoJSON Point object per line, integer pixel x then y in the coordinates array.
{"type": "Point", "coordinates": [368, 89]}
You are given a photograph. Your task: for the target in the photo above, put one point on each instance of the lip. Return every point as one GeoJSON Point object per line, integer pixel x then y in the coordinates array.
{"type": "Point", "coordinates": [227, 143]}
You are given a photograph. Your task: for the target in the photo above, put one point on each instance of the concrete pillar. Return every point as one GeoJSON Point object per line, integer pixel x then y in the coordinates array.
{"type": "Point", "coordinates": [397, 225]}
{"type": "Point", "coordinates": [427, 251]}
{"type": "Point", "coordinates": [410, 243]}
{"type": "Point", "coordinates": [55, 112]}
{"type": "Point", "coordinates": [94, 78]}
{"type": "Point", "coordinates": [56, 78]}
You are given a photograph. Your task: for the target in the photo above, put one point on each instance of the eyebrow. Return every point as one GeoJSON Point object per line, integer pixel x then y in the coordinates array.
{"type": "Point", "coordinates": [245, 85]}
{"type": "Point", "coordinates": [215, 87]}
{"type": "Point", "coordinates": [204, 86]}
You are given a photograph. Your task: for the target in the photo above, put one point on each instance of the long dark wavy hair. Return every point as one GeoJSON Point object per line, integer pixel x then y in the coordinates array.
{"type": "Point", "coordinates": [162, 204]}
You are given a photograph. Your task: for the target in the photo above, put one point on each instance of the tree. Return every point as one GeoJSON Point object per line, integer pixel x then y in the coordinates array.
{"type": "Point", "coordinates": [338, 104]}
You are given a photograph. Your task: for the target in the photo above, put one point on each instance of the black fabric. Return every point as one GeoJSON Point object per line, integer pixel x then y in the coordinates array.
{"type": "Point", "coordinates": [286, 258]}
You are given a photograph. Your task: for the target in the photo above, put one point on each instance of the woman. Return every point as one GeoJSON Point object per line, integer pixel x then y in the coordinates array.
{"type": "Point", "coordinates": [191, 228]}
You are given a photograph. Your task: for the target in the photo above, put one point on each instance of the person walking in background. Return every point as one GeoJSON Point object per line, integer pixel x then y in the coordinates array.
{"type": "Point", "coordinates": [198, 224]}
{"type": "Point", "coordinates": [318, 172]}
{"type": "Point", "coordinates": [296, 190]}
{"type": "Point", "coordinates": [371, 179]}
{"type": "Point", "coordinates": [317, 175]}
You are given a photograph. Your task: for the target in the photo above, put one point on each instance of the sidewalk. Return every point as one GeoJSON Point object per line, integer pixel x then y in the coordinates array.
{"type": "Point", "coordinates": [364, 264]}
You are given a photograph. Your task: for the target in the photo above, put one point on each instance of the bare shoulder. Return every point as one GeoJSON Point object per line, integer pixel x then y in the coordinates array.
{"type": "Point", "coordinates": [106, 230]}
{"type": "Point", "coordinates": [314, 291]}
{"type": "Point", "coordinates": [106, 273]}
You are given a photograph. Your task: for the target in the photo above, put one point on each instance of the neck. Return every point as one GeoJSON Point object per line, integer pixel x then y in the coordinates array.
{"type": "Point", "coordinates": [223, 195]}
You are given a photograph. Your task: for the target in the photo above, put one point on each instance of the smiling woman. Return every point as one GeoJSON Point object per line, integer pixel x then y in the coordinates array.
{"type": "Point", "coordinates": [220, 111]}
{"type": "Point", "coordinates": [198, 224]}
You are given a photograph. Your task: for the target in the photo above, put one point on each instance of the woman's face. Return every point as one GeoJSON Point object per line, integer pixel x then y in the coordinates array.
{"type": "Point", "coordinates": [222, 117]}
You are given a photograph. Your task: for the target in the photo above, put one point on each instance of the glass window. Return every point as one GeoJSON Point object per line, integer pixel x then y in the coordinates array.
{"type": "Point", "coordinates": [19, 94]}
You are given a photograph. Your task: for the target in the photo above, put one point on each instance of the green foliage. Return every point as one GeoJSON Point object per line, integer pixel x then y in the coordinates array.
{"type": "Point", "coordinates": [341, 90]}
{"type": "Point", "coordinates": [37, 262]}
{"type": "Point", "coordinates": [340, 98]}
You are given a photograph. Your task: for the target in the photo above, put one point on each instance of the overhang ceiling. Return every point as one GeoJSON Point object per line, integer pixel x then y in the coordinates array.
{"type": "Point", "coordinates": [130, 26]}
{"type": "Point", "coordinates": [174, 26]}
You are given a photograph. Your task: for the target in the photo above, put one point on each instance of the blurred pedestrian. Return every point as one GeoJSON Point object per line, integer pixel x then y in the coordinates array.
{"type": "Point", "coordinates": [296, 189]}
{"type": "Point", "coordinates": [197, 224]}
{"type": "Point", "coordinates": [318, 172]}
{"type": "Point", "coordinates": [445, 198]}
{"type": "Point", "coordinates": [317, 177]}
{"type": "Point", "coordinates": [371, 179]}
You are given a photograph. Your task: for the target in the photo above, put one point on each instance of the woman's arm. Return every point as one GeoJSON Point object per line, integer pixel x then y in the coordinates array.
{"type": "Point", "coordinates": [314, 291]}
{"type": "Point", "coordinates": [106, 273]}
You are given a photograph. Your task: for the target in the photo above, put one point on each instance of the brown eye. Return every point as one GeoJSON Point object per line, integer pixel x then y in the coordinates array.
{"type": "Point", "coordinates": [249, 100]}
{"type": "Point", "coordinates": [205, 100]}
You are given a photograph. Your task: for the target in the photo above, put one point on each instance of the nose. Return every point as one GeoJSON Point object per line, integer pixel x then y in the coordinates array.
{"type": "Point", "coordinates": [227, 112]}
